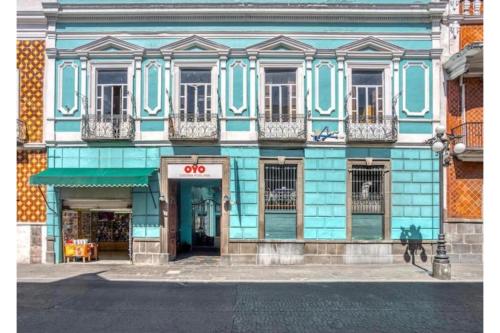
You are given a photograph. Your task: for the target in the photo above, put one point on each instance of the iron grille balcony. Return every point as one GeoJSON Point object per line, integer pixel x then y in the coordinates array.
{"type": "Point", "coordinates": [471, 135]}
{"type": "Point", "coordinates": [372, 129]}
{"type": "Point", "coordinates": [282, 127]}
{"type": "Point", "coordinates": [22, 133]}
{"type": "Point", "coordinates": [194, 127]}
{"type": "Point", "coordinates": [97, 127]}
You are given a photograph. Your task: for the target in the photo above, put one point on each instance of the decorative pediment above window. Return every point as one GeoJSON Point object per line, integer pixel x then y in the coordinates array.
{"type": "Point", "coordinates": [108, 46]}
{"type": "Point", "coordinates": [195, 45]}
{"type": "Point", "coordinates": [282, 45]}
{"type": "Point", "coordinates": [371, 46]}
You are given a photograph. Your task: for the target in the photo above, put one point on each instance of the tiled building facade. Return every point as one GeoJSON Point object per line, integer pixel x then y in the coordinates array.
{"type": "Point", "coordinates": [464, 214]}
{"type": "Point", "coordinates": [31, 153]}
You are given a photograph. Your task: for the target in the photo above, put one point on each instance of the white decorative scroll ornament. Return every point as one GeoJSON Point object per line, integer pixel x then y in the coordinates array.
{"type": "Point", "coordinates": [454, 5]}
{"type": "Point", "coordinates": [426, 88]}
{"type": "Point", "coordinates": [243, 107]}
{"type": "Point", "coordinates": [454, 29]}
{"type": "Point", "coordinates": [317, 69]}
{"type": "Point", "coordinates": [157, 108]}
{"type": "Point", "coordinates": [67, 109]}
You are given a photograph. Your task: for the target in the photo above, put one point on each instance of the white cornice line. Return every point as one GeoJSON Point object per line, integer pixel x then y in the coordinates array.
{"type": "Point", "coordinates": [426, 87]}
{"type": "Point", "coordinates": [248, 34]}
{"type": "Point", "coordinates": [243, 107]}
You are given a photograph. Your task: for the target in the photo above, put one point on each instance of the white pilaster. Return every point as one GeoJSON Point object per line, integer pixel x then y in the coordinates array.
{"type": "Point", "coordinates": [252, 92]}
{"type": "Point", "coordinates": [168, 96]}
{"type": "Point", "coordinates": [222, 89]}
{"type": "Point", "coordinates": [309, 91]}
{"type": "Point", "coordinates": [438, 114]}
{"type": "Point", "coordinates": [83, 86]}
{"type": "Point", "coordinates": [395, 96]}
{"type": "Point", "coordinates": [341, 94]}
{"type": "Point", "coordinates": [137, 95]}
{"type": "Point", "coordinates": [49, 81]}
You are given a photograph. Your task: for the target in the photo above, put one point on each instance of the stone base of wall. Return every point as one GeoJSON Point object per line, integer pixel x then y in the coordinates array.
{"type": "Point", "coordinates": [319, 253]}
{"type": "Point", "coordinates": [464, 241]}
{"type": "Point", "coordinates": [146, 251]}
{"type": "Point", "coordinates": [31, 243]}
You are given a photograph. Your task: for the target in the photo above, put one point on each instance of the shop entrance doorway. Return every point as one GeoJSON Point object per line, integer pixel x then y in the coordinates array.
{"type": "Point", "coordinates": [199, 212]}
{"type": "Point", "coordinates": [196, 208]}
{"type": "Point", "coordinates": [96, 235]}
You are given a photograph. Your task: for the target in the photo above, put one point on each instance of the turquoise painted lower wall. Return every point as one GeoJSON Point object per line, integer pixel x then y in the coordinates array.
{"type": "Point", "coordinates": [414, 177]}
{"type": "Point", "coordinates": [146, 210]}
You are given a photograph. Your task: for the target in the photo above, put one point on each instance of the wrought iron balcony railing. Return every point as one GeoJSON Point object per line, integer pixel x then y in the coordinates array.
{"type": "Point", "coordinates": [372, 129]}
{"type": "Point", "coordinates": [193, 127]}
{"type": "Point", "coordinates": [470, 134]}
{"type": "Point", "coordinates": [282, 127]}
{"type": "Point", "coordinates": [22, 133]}
{"type": "Point", "coordinates": [471, 7]}
{"type": "Point", "coordinates": [107, 127]}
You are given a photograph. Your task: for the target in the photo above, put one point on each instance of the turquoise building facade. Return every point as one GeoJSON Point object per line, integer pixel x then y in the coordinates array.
{"type": "Point", "coordinates": [336, 98]}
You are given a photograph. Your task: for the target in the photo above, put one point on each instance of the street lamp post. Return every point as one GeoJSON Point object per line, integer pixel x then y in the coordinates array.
{"type": "Point", "coordinates": [440, 143]}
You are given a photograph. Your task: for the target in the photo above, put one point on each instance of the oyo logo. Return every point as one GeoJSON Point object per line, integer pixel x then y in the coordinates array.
{"type": "Point", "coordinates": [194, 169]}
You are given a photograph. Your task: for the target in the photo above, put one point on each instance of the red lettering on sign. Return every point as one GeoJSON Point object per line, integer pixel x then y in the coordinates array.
{"type": "Point", "coordinates": [194, 169]}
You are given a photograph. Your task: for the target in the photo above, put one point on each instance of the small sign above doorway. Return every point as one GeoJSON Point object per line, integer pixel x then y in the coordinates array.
{"type": "Point", "coordinates": [195, 171]}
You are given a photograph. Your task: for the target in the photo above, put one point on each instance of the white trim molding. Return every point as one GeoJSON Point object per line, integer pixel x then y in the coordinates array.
{"type": "Point", "coordinates": [426, 69]}
{"type": "Point", "coordinates": [317, 68]}
{"type": "Point", "coordinates": [386, 67]}
{"type": "Point", "coordinates": [178, 65]}
{"type": "Point", "coordinates": [298, 65]}
{"type": "Point", "coordinates": [243, 107]}
{"type": "Point", "coordinates": [64, 109]}
{"type": "Point", "coordinates": [147, 68]}
{"type": "Point", "coordinates": [94, 66]}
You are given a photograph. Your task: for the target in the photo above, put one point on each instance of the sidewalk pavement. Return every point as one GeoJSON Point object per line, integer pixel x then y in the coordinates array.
{"type": "Point", "coordinates": [223, 273]}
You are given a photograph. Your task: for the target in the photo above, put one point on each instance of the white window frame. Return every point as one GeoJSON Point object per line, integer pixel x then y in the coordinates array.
{"type": "Point", "coordinates": [212, 66]}
{"type": "Point", "coordinates": [386, 68]}
{"type": "Point", "coordinates": [299, 67]}
{"type": "Point", "coordinates": [366, 87]}
{"type": "Point", "coordinates": [96, 66]}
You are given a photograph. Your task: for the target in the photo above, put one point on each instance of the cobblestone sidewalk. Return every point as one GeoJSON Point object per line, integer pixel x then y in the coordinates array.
{"type": "Point", "coordinates": [222, 273]}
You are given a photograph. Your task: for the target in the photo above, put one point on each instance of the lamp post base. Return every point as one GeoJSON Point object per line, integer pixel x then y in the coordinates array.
{"type": "Point", "coordinates": [441, 270]}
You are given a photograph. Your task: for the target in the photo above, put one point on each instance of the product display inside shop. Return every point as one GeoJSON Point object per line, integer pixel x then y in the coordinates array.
{"type": "Point", "coordinates": [95, 235]}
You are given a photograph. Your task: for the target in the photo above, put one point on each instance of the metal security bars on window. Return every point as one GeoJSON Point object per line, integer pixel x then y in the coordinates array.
{"type": "Point", "coordinates": [367, 189]}
{"type": "Point", "coordinates": [280, 187]}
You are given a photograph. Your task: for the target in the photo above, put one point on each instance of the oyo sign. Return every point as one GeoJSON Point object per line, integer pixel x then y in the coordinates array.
{"type": "Point", "coordinates": [195, 171]}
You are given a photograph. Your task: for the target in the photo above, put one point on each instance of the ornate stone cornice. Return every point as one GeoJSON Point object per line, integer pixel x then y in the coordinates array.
{"type": "Point", "coordinates": [327, 13]}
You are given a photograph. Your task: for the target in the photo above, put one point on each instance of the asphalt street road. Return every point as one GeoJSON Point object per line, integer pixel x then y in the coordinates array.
{"type": "Point", "coordinates": [88, 303]}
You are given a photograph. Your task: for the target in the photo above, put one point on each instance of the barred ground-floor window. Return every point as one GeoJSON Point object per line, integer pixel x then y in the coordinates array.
{"type": "Point", "coordinates": [281, 199]}
{"type": "Point", "coordinates": [368, 200]}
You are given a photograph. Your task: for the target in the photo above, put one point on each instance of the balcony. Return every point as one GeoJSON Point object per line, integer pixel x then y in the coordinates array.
{"type": "Point", "coordinates": [107, 127]}
{"type": "Point", "coordinates": [471, 7]}
{"type": "Point", "coordinates": [201, 127]}
{"type": "Point", "coordinates": [282, 127]}
{"type": "Point", "coordinates": [22, 134]}
{"type": "Point", "coordinates": [471, 135]}
{"type": "Point", "coordinates": [372, 129]}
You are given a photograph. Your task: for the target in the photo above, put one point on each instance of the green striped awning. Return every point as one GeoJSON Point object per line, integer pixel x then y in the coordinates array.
{"type": "Point", "coordinates": [93, 177]}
